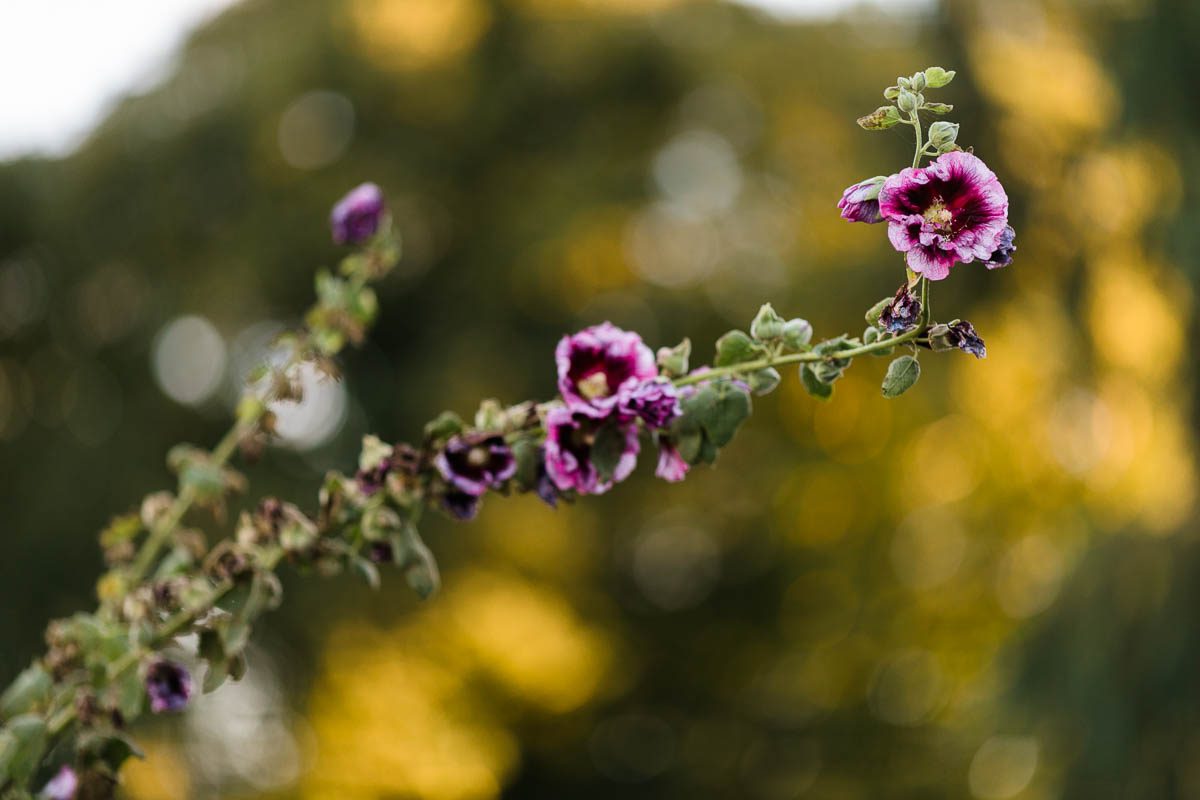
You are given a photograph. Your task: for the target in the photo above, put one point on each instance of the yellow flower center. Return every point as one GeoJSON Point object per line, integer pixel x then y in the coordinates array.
{"type": "Point", "coordinates": [939, 216]}
{"type": "Point", "coordinates": [477, 457]}
{"type": "Point", "coordinates": [594, 385]}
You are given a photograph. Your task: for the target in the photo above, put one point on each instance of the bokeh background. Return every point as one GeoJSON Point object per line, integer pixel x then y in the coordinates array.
{"type": "Point", "coordinates": [984, 589]}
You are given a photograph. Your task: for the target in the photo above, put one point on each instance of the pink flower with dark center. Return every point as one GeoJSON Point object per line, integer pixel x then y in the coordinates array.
{"type": "Point", "coordinates": [599, 365]}
{"type": "Point", "coordinates": [570, 436]}
{"type": "Point", "coordinates": [656, 402]}
{"type": "Point", "coordinates": [952, 211]}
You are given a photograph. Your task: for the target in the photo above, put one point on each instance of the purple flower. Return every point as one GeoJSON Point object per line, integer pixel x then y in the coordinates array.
{"type": "Point", "coordinates": [655, 401]}
{"type": "Point", "coordinates": [474, 463]}
{"type": "Point", "coordinates": [860, 202]}
{"type": "Point", "coordinates": [356, 216]}
{"type": "Point", "coordinates": [598, 364]}
{"type": "Point", "coordinates": [460, 505]}
{"type": "Point", "coordinates": [169, 686]}
{"type": "Point", "coordinates": [953, 210]}
{"type": "Point", "coordinates": [570, 436]}
{"type": "Point", "coordinates": [902, 313]}
{"type": "Point", "coordinates": [62, 786]}
{"type": "Point", "coordinates": [372, 480]}
{"type": "Point", "coordinates": [1005, 247]}
{"type": "Point", "coordinates": [545, 488]}
{"type": "Point", "coordinates": [671, 466]}
{"type": "Point", "coordinates": [963, 336]}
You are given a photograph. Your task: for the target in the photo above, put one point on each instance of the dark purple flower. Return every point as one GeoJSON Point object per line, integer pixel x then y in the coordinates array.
{"type": "Point", "coordinates": [169, 686]}
{"type": "Point", "coordinates": [656, 402]}
{"type": "Point", "coordinates": [356, 216]}
{"type": "Point", "coordinates": [958, 334]}
{"type": "Point", "coordinates": [953, 210]}
{"type": "Point", "coordinates": [860, 202]}
{"type": "Point", "coordinates": [460, 505]}
{"type": "Point", "coordinates": [569, 440]}
{"type": "Point", "coordinates": [381, 552]}
{"type": "Point", "coordinates": [545, 488]}
{"type": "Point", "coordinates": [473, 463]}
{"type": "Point", "coordinates": [902, 313]}
{"type": "Point", "coordinates": [62, 786]}
{"type": "Point", "coordinates": [372, 480]}
{"type": "Point", "coordinates": [598, 365]}
{"type": "Point", "coordinates": [671, 466]}
{"type": "Point", "coordinates": [1002, 256]}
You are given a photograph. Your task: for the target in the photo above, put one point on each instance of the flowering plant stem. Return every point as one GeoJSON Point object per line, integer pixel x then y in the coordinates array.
{"type": "Point", "coordinates": [65, 718]}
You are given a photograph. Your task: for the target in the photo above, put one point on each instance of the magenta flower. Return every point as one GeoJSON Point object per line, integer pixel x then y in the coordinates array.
{"type": "Point", "coordinates": [598, 365]}
{"type": "Point", "coordinates": [671, 466]}
{"type": "Point", "coordinates": [860, 202]}
{"type": "Point", "coordinates": [570, 436]}
{"type": "Point", "coordinates": [953, 210]}
{"type": "Point", "coordinates": [356, 216]}
{"type": "Point", "coordinates": [62, 786]}
{"type": "Point", "coordinates": [656, 402]}
{"type": "Point", "coordinates": [169, 686]}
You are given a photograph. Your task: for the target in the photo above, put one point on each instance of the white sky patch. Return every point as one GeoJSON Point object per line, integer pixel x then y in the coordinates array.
{"type": "Point", "coordinates": [65, 63]}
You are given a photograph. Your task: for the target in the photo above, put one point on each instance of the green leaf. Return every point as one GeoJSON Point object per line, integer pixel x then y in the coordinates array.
{"type": "Point", "coordinates": [730, 411]}
{"type": "Point", "coordinates": [112, 748]}
{"type": "Point", "coordinates": [936, 77]}
{"type": "Point", "coordinates": [735, 347]}
{"type": "Point", "coordinates": [443, 426]}
{"type": "Point", "coordinates": [22, 744]}
{"type": "Point", "coordinates": [763, 381]}
{"type": "Point", "coordinates": [30, 690]}
{"type": "Point", "coordinates": [938, 108]}
{"type": "Point", "coordinates": [689, 444]}
{"type": "Point", "coordinates": [901, 375]}
{"type": "Point", "coordinates": [367, 569]}
{"type": "Point", "coordinates": [420, 567]}
{"type": "Point", "coordinates": [813, 385]}
{"type": "Point", "coordinates": [212, 650]}
{"type": "Point", "coordinates": [880, 119]}
{"type": "Point", "coordinates": [129, 694]}
{"type": "Point", "coordinates": [525, 451]}
{"type": "Point", "coordinates": [607, 450]}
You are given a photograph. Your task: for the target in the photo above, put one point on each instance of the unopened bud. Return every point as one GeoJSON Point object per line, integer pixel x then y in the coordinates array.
{"type": "Point", "coordinates": [767, 324]}
{"type": "Point", "coordinates": [673, 361]}
{"type": "Point", "coordinates": [907, 101]}
{"type": "Point", "coordinates": [942, 135]}
{"type": "Point", "coordinates": [797, 333]}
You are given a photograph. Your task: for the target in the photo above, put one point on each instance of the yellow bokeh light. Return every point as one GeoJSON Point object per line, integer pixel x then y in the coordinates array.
{"type": "Point", "coordinates": [406, 35]}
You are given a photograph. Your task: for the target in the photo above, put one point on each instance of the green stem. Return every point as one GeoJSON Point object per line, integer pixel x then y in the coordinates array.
{"type": "Point", "coordinates": [916, 123]}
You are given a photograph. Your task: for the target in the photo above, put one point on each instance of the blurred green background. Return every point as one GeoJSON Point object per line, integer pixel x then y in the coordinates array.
{"type": "Point", "coordinates": [983, 589]}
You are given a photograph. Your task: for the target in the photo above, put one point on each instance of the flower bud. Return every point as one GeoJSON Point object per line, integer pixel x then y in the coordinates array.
{"type": "Point", "coordinates": [673, 361]}
{"type": "Point", "coordinates": [907, 101]}
{"type": "Point", "coordinates": [763, 381]}
{"type": "Point", "coordinates": [357, 216]}
{"type": "Point", "coordinates": [942, 135]}
{"type": "Point", "coordinates": [860, 202]}
{"type": "Point", "coordinates": [797, 333]}
{"type": "Point", "coordinates": [917, 81]}
{"type": "Point", "coordinates": [767, 324]}
{"type": "Point", "coordinates": [904, 83]}
{"type": "Point", "coordinates": [891, 93]}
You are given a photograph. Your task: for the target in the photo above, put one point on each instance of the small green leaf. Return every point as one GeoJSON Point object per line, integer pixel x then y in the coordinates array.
{"type": "Point", "coordinates": [525, 451]}
{"type": "Point", "coordinates": [30, 690]}
{"type": "Point", "coordinates": [901, 375]}
{"type": "Point", "coordinates": [938, 108]}
{"type": "Point", "coordinates": [763, 381]}
{"type": "Point", "coordinates": [880, 119]}
{"type": "Point", "coordinates": [444, 425]}
{"type": "Point", "coordinates": [367, 569]}
{"type": "Point", "coordinates": [936, 77]}
{"type": "Point", "coordinates": [607, 450]}
{"type": "Point", "coordinates": [813, 385]}
{"type": "Point", "coordinates": [735, 347]}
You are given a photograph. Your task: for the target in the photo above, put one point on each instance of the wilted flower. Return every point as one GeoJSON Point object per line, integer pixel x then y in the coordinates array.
{"type": "Point", "coordinates": [953, 210]}
{"type": "Point", "coordinates": [356, 216]}
{"type": "Point", "coordinates": [902, 313]}
{"type": "Point", "coordinates": [371, 480]}
{"type": "Point", "coordinates": [169, 686]}
{"type": "Point", "coordinates": [460, 505]}
{"type": "Point", "coordinates": [860, 202]}
{"type": "Point", "coordinates": [671, 466]}
{"type": "Point", "coordinates": [598, 365]}
{"type": "Point", "coordinates": [544, 487]}
{"type": "Point", "coordinates": [474, 463]}
{"type": "Point", "coordinates": [570, 436]}
{"type": "Point", "coordinates": [62, 786]}
{"type": "Point", "coordinates": [958, 334]}
{"type": "Point", "coordinates": [656, 402]}
{"type": "Point", "coordinates": [1005, 247]}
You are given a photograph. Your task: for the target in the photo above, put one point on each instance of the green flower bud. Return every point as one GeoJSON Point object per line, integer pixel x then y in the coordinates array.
{"type": "Point", "coordinates": [763, 381]}
{"type": "Point", "coordinates": [673, 361]}
{"type": "Point", "coordinates": [767, 324]}
{"type": "Point", "coordinates": [942, 135]}
{"type": "Point", "coordinates": [904, 83]}
{"type": "Point", "coordinates": [797, 333]}
{"type": "Point", "coordinates": [907, 102]}
{"type": "Point", "coordinates": [936, 77]}
{"type": "Point", "coordinates": [917, 81]}
{"type": "Point", "coordinates": [870, 336]}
